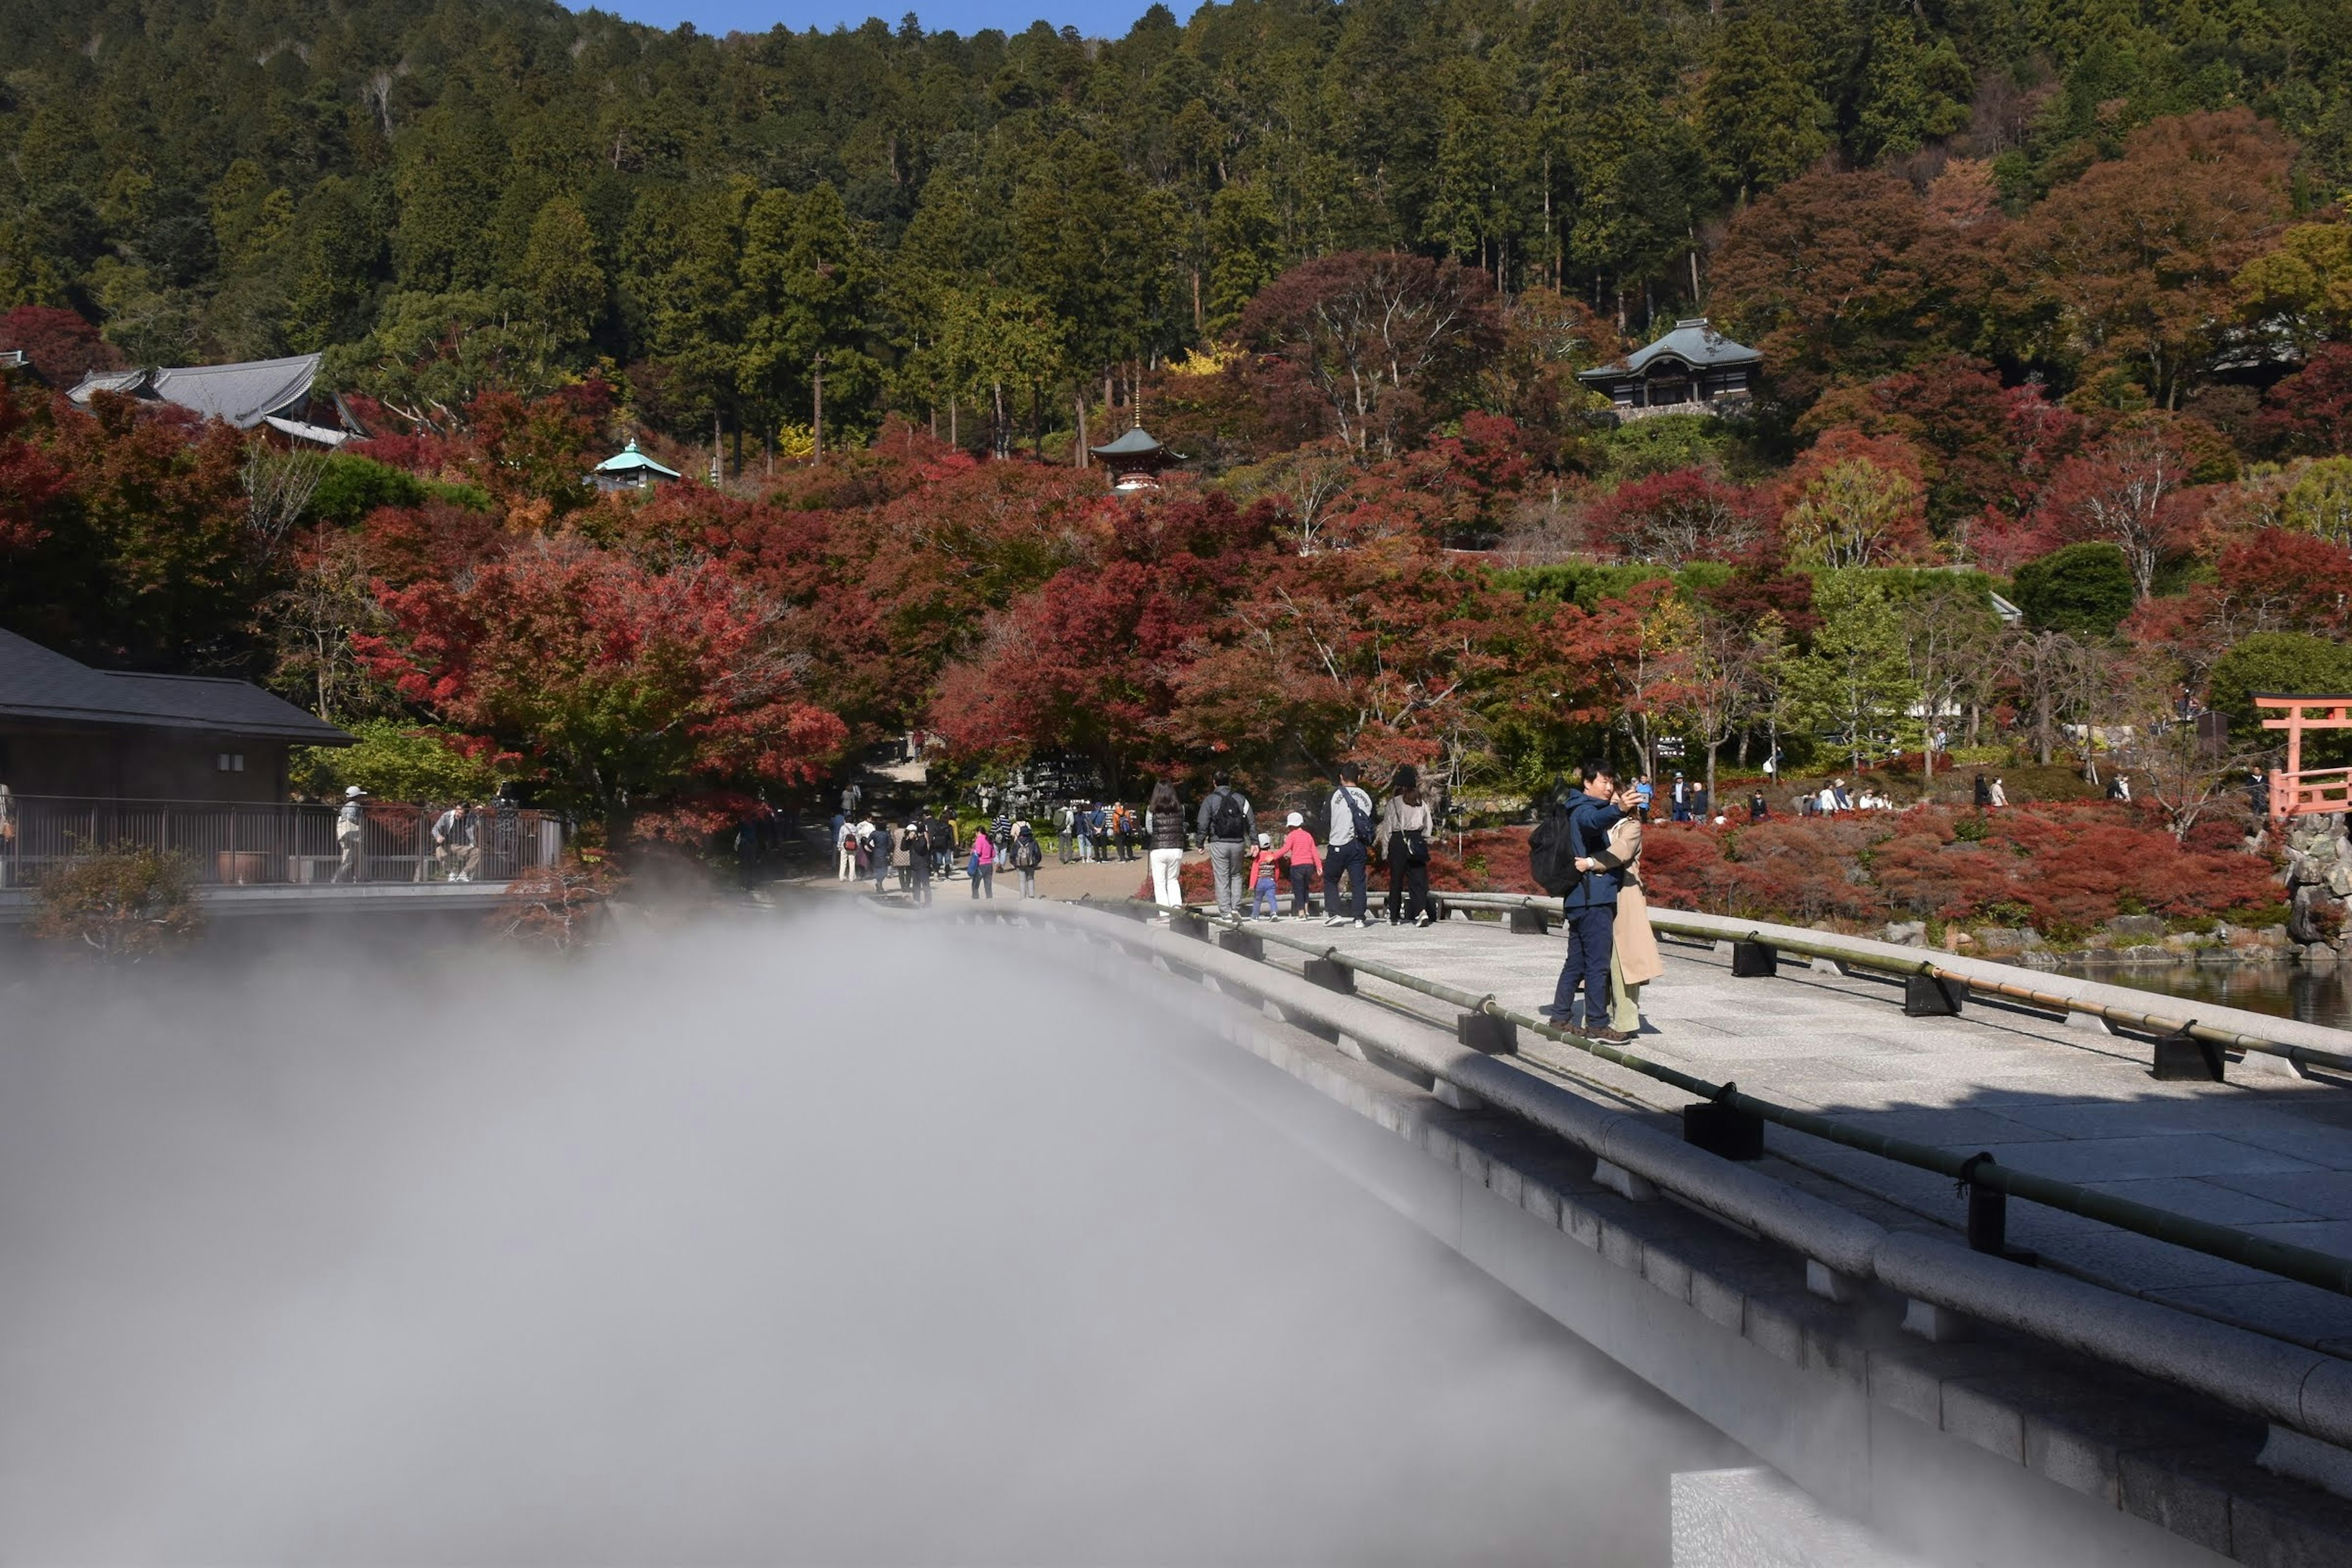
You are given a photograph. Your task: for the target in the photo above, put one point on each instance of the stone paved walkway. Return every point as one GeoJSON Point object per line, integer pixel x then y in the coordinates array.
{"type": "Point", "coordinates": [2265, 1152]}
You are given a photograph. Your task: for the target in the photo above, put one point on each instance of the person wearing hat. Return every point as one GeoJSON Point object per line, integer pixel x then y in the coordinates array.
{"type": "Point", "coordinates": [348, 833]}
{"type": "Point", "coordinates": [1298, 848]}
{"type": "Point", "coordinates": [1263, 877]}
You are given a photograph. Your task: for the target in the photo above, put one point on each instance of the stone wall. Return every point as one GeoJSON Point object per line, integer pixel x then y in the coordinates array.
{"type": "Point", "coordinates": [2319, 883]}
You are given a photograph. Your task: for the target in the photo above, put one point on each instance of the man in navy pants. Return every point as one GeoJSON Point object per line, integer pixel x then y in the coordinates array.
{"type": "Point", "coordinates": [1590, 907]}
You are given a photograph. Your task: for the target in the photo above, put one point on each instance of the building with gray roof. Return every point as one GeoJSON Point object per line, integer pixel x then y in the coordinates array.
{"type": "Point", "coordinates": [1693, 369]}
{"type": "Point", "coordinates": [68, 729]}
{"type": "Point", "coordinates": [273, 391]}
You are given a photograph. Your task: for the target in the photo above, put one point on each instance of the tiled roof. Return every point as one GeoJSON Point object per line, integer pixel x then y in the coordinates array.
{"type": "Point", "coordinates": [630, 460]}
{"type": "Point", "coordinates": [127, 382]}
{"type": "Point", "coordinates": [1135, 443]}
{"type": "Point", "coordinates": [1695, 342]}
{"type": "Point", "coordinates": [243, 394]}
{"type": "Point", "coordinates": [36, 683]}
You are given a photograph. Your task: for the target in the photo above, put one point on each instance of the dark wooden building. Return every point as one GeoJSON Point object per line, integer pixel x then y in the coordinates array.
{"type": "Point", "coordinates": [68, 729]}
{"type": "Point", "coordinates": [1692, 370]}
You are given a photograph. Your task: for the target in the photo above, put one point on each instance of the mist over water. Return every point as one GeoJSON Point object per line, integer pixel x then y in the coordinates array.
{"type": "Point", "coordinates": [815, 1241]}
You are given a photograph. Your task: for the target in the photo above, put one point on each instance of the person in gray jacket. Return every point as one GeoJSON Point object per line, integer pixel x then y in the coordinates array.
{"type": "Point", "coordinates": [1226, 824]}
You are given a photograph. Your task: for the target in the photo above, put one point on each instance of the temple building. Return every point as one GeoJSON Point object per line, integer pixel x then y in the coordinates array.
{"type": "Point", "coordinates": [1135, 461]}
{"type": "Point", "coordinates": [281, 394]}
{"type": "Point", "coordinates": [630, 470]}
{"type": "Point", "coordinates": [1692, 370]}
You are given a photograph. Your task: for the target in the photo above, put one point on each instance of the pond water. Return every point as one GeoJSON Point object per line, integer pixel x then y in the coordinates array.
{"type": "Point", "coordinates": [2283, 990]}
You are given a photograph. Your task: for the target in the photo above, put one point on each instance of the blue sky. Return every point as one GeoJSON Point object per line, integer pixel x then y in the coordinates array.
{"type": "Point", "coordinates": [1097, 18]}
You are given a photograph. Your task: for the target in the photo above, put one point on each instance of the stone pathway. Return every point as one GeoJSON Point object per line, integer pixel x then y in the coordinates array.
{"type": "Point", "coordinates": [2264, 1153]}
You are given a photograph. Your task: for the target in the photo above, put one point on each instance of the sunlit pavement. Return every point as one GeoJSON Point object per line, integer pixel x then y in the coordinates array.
{"type": "Point", "coordinates": [2268, 1153]}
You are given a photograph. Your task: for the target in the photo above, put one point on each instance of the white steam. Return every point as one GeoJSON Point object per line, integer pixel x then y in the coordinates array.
{"type": "Point", "coordinates": [815, 1243]}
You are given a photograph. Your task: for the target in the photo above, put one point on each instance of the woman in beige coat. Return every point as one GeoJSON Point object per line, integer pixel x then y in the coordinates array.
{"type": "Point", "coordinates": [1633, 962]}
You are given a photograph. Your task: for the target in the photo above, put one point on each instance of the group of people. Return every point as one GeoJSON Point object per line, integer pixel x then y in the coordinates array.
{"type": "Point", "coordinates": [925, 850]}
{"type": "Point", "coordinates": [1247, 866]}
{"type": "Point", "coordinates": [1092, 830]}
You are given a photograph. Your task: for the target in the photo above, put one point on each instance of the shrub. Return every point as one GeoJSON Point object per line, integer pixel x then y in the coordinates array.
{"type": "Point", "coordinates": [122, 905]}
{"type": "Point", "coordinates": [393, 761]}
{"type": "Point", "coordinates": [557, 907]}
{"type": "Point", "coordinates": [2084, 590]}
{"type": "Point", "coordinates": [2284, 662]}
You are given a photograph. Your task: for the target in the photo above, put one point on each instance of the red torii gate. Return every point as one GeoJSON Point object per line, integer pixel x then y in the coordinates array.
{"type": "Point", "coordinates": [2294, 792]}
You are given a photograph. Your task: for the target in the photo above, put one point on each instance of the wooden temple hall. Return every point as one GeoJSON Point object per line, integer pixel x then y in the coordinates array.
{"type": "Point", "coordinates": [1692, 370]}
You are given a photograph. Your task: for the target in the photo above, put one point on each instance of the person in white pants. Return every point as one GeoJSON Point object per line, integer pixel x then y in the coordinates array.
{"type": "Point", "coordinates": [844, 844]}
{"type": "Point", "coordinates": [1164, 821]}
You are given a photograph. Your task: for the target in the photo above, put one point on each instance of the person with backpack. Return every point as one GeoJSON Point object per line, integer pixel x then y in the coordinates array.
{"type": "Point", "coordinates": [1348, 849]}
{"type": "Point", "coordinates": [1164, 820]}
{"type": "Point", "coordinates": [1299, 852]}
{"type": "Point", "coordinates": [1263, 877]}
{"type": "Point", "coordinates": [911, 847]}
{"type": "Point", "coordinates": [1028, 855]}
{"type": "Point", "coordinates": [1566, 853]}
{"type": "Point", "coordinates": [1403, 838]}
{"type": "Point", "coordinates": [1226, 821]}
{"type": "Point", "coordinates": [940, 838]}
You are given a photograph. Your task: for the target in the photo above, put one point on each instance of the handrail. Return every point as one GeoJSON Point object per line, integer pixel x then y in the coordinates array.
{"type": "Point", "coordinates": [2129, 1018]}
{"type": "Point", "coordinates": [2296, 1386]}
{"type": "Point", "coordinates": [2302, 1264]}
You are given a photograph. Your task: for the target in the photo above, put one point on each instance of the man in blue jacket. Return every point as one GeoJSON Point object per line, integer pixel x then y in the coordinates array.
{"type": "Point", "coordinates": [1591, 906]}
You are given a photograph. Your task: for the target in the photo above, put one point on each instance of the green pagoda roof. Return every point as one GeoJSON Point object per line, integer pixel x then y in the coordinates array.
{"type": "Point", "coordinates": [628, 459]}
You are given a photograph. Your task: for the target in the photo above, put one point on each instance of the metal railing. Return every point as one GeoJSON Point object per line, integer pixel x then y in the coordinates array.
{"type": "Point", "coordinates": [1852, 954]}
{"type": "Point", "coordinates": [232, 844]}
{"type": "Point", "coordinates": [2304, 1264]}
{"type": "Point", "coordinates": [2294, 1384]}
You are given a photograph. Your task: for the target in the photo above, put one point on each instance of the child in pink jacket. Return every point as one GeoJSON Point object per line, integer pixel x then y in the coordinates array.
{"type": "Point", "coordinates": [1305, 859]}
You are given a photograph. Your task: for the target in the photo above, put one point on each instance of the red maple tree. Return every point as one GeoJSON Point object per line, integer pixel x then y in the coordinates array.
{"type": "Point", "coordinates": [625, 688]}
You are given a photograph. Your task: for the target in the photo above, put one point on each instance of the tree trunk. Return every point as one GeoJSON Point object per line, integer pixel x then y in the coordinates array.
{"type": "Point", "coordinates": [817, 413]}
{"type": "Point", "coordinates": [1079, 398]}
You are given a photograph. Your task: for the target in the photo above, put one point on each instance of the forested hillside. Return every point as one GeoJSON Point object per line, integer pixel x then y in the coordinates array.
{"type": "Point", "coordinates": [2051, 450]}
{"type": "Point", "coordinates": [499, 193]}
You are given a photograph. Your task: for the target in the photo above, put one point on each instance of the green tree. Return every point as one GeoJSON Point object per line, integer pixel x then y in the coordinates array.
{"type": "Point", "coordinates": [2085, 590]}
{"type": "Point", "coordinates": [1244, 254]}
{"type": "Point", "coordinates": [448, 184]}
{"type": "Point", "coordinates": [1762, 121]}
{"type": "Point", "coordinates": [1914, 90]}
{"type": "Point", "coordinates": [1855, 686]}
{"type": "Point", "coordinates": [2287, 664]}
{"type": "Point", "coordinates": [808, 294]}
{"type": "Point", "coordinates": [560, 269]}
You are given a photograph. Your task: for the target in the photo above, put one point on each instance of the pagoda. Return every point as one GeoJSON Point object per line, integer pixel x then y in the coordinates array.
{"type": "Point", "coordinates": [1135, 461]}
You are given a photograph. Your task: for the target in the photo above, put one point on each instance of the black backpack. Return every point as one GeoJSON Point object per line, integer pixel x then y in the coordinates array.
{"type": "Point", "coordinates": [1228, 820]}
{"type": "Point", "coordinates": [1552, 850]}
{"type": "Point", "coordinates": [938, 835]}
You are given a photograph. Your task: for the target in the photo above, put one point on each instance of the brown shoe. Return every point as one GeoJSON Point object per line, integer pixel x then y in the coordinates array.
{"type": "Point", "coordinates": [1608, 1036]}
